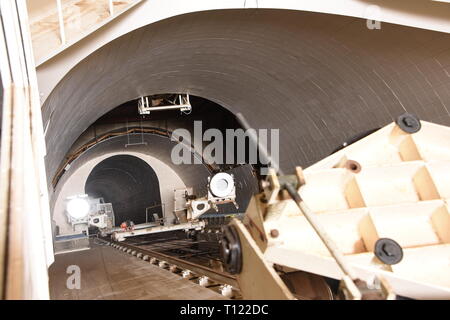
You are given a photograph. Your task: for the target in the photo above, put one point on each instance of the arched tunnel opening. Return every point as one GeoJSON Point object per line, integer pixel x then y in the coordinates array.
{"type": "Point", "coordinates": [332, 78]}
{"type": "Point", "coordinates": [204, 115]}
{"type": "Point", "coordinates": [130, 140]}
{"type": "Point", "coordinates": [130, 185]}
{"type": "Point", "coordinates": [321, 80]}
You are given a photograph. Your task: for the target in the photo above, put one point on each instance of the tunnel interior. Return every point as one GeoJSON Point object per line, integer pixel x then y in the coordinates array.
{"type": "Point", "coordinates": [318, 79]}
{"type": "Point", "coordinates": [118, 180]}
{"type": "Point", "coordinates": [205, 113]}
{"type": "Point", "coordinates": [130, 184]}
{"type": "Point", "coordinates": [332, 79]}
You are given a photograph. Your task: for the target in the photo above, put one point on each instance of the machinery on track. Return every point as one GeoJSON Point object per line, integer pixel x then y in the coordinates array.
{"type": "Point", "coordinates": [371, 221]}
{"type": "Point", "coordinates": [373, 216]}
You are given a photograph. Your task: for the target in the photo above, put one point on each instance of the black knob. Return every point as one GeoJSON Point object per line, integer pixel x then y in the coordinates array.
{"type": "Point", "coordinates": [388, 251]}
{"type": "Point", "coordinates": [409, 123]}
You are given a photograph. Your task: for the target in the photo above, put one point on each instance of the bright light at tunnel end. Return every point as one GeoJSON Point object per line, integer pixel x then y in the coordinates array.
{"type": "Point", "coordinates": [78, 208]}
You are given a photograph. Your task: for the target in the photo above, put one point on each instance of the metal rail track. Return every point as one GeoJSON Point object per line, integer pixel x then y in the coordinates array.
{"type": "Point", "coordinates": [216, 280]}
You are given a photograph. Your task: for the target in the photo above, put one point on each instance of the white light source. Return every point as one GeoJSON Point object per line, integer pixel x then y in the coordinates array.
{"type": "Point", "coordinates": [221, 184]}
{"type": "Point", "coordinates": [78, 208]}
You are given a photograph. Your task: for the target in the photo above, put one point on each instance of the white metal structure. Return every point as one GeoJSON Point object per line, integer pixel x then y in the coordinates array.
{"type": "Point", "coordinates": [147, 105]}
{"type": "Point", "coordinates": [390, 186]}
{"type": "Point", "coordinates": [192, 225]}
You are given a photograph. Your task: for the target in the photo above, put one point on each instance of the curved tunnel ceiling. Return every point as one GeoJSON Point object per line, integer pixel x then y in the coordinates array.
{"type": "Point", "coordinates": [127, 182]}
{"type": "Point", "coordinates": [318, 78]}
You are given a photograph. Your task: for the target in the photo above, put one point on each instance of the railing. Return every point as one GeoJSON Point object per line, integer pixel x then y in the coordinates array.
{"type": "Point", "coordinates": [57, 24]}
{"type": "Point", "coordinates": [62, 31]}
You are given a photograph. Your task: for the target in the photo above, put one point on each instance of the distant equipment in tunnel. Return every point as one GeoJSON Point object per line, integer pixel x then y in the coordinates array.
{"type": "Point", "coordinates": [188, 208]}
{"type": "Point", "coordinates": [84, 212]}
{"type": "Point", "coordinates": [129, 183]}
{"type": "Point", "coordinates": [78, 208]}
{"type": "Point", "coordinates": [164, 102]}
{"type": "Point", "coordinates": [222, 185]}
{"type": "Point", "coordinates": [221, 190]}
{"type": "Point", "coordinates": [127, 225]}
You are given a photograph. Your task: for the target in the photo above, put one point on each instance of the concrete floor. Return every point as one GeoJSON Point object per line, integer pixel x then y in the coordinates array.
{"type": "Point", "coordinates": [109, 274]}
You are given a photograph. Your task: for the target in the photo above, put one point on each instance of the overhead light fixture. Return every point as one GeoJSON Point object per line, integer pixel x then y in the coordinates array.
{"type": "Point", "coordinates": [148, 104]}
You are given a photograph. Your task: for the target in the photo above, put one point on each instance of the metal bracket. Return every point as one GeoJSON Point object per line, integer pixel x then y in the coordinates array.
{"type": "Point", "coordinates": [147, 104]}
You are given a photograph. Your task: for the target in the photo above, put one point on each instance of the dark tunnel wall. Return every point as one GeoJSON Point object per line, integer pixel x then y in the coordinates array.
{"type": "Point", "coordinates": [318, 78]}
{"type": "Point", "coordinates": [127, 182]}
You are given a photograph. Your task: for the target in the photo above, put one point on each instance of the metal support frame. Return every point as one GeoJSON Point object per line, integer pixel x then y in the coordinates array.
{"type": "Point", "coordinates": [111, 8]}
{"type": "Point", "coordinates": [145, 105]}
{"type": "Point", "coordinates": [62, 30]}
{"type": "Point", "coordinates": [142, 142]}
{"type": "Point", "coordinates": [122, 235]}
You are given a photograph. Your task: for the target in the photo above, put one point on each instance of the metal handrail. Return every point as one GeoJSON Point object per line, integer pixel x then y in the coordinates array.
{"type": "Point", "coordinates": [62, 30]}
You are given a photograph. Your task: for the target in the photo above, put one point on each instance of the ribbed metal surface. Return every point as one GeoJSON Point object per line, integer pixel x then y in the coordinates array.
{"type": "Point", "coordinates": [318, 78]}
{"type": "Point", "coordinates": [130, 184]}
